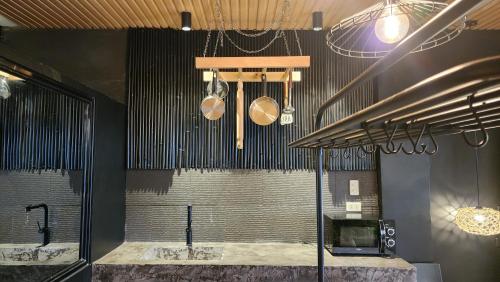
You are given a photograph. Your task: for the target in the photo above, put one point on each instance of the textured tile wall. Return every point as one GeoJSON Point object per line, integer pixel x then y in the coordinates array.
{"type": "Point", "coordinates": [237, 205]}
{"type": "Point", "coordinates": [61, 192]}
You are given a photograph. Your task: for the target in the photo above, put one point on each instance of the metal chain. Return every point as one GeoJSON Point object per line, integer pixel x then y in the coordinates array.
{"type": "Point", "coordinates": [286, 43]}
{"type": "Point", "coordinates": [206, 43]}
{"type": "Point", "coordinates": [222, 32]}
{"type": "Point", "coordinates": [276, 22]}
{"type": "Point", "coordinates": [276, 36]}
{"type": "Point", "coordinates": [298, 41]}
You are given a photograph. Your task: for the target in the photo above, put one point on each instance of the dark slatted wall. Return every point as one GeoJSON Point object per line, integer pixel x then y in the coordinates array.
{"type": "Point", "coordinates": [166, 129]}
{"type": "Point", "coordinates": [41, 129]}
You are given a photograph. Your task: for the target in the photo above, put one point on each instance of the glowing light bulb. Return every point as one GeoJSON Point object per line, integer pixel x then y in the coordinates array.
{"type": "Point", "coordinates": [393, 27]}
{"type": "Point", "coordinates": [479, 218]}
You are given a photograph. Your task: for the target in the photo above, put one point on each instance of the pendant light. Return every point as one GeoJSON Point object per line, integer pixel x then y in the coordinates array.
{"type": "Point", "coordinates": [478, 220]}
{"type": "Point", "coordinates": [186, 21]}
{"type": "Point", "coordinates": [375, 31]}
{"type": "Point", "coordinates": [393, 25]}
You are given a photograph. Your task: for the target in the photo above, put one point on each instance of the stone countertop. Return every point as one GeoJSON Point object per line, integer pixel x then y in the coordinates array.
{"type": "Point", "coordinates": [35, 254]}
{"type": "Point", "coordinates": [228, 262]}
{"type": "Point", "coordinates": [275, 254]}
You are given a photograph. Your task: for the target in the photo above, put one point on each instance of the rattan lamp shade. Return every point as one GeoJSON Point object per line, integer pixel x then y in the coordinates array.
{"type": "Point", "coordinates": [478, 220]}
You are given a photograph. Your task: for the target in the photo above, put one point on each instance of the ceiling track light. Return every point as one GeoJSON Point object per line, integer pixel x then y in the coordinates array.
{"type": "Point", "coordinates": [186, 21]}
{"type": "Point", "coordinates": [317, 21]}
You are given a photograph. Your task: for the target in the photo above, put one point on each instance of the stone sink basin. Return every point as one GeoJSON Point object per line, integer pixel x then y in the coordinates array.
{"type": "Point", "coordinates": [23, 254]}
{"type": "Point", "coordinates": [183, 253]}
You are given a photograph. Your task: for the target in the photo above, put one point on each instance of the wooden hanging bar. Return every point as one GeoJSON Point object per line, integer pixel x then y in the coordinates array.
{"type": "Point", "coordinates": [252, 62]}
{"type": "Point", "coordinates": [277, 76]}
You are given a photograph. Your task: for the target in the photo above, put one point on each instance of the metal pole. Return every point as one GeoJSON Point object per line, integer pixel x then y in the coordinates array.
{"type": "Point", "coordinates": [319, 214]}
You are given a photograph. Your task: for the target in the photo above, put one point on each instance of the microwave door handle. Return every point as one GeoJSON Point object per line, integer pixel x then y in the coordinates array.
{"type": "Point", "coordinates": [382, 236]}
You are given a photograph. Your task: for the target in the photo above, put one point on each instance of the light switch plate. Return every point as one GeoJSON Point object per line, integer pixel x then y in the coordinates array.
{"type": "Point", "coordinates": [354, 187]}
{"type": "Point", "coordinates": [353, 206]}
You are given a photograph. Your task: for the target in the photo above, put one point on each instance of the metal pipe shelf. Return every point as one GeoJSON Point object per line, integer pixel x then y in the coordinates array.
{"type": "Point", "coordinates": [441, 103]}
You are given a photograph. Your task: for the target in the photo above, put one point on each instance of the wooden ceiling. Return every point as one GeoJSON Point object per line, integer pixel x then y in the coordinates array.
{"type": "Point", "coordinates": [242, 14]}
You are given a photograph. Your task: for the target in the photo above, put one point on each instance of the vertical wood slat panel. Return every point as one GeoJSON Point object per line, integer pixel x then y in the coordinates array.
{"type": "Point", "coordinates": [166, 129]}
{"type": "Point", "coordinates": [41, 129]}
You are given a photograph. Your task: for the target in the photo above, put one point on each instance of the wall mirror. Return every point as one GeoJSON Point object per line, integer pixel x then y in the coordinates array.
{"type": "Point", "coordinates": [45, 133]}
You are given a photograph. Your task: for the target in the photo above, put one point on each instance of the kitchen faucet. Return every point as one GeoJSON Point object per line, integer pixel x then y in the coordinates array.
{"type": "Point", "coordinates": [45, 230]}
{"type": "Point", "coordinates": [189, 231]}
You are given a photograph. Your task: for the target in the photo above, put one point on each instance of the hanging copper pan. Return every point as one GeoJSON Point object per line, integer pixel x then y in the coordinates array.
{"type": "Point", "coordinates": [264, 110]}
{"type": "Point", "coordinates": [213, 106]}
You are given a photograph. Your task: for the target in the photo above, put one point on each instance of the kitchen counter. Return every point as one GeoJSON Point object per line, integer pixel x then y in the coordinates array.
{"type": "Point", "coordinates": [153, 261]}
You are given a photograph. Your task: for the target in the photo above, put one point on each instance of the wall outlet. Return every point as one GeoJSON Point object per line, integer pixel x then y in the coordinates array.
{"type": "Point", "coordinates": [354, 187]}
{"type": "Point", "coordinates": [353, 216]}
{"type": "Point", "coordinates": [353, 206]}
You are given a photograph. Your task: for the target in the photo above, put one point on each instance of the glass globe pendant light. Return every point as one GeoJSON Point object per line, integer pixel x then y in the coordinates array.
{"type": "Point", "coordinates": [478, 220]}
{"type": "Point", "coordinates": [393, 25]}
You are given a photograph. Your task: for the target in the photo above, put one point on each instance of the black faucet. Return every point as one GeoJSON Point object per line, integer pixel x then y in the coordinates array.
{"type": "Point", "coordinates": [45, 230]}
{"type": "Point", "coordinates": [189, 231]}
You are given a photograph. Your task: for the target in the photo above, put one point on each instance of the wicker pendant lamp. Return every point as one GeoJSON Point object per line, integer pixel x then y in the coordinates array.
{"type": "Point", "coordinates": [478, 220]}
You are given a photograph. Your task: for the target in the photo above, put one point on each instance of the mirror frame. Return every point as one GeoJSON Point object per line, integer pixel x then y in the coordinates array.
{"type": "Point", "coordinates": [46, 76]}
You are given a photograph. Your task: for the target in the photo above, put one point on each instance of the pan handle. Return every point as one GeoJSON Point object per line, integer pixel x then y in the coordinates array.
{"type": "Point", "coordinates": [214, 82]}
{"type": "Point", "coordinates": [264, 81]}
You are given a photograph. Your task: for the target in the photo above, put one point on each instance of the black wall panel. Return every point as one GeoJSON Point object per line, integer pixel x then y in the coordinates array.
{"type": "Point", "coordinates": [42, 129]}
{"type": "Point", "coordinates": [166, 129]}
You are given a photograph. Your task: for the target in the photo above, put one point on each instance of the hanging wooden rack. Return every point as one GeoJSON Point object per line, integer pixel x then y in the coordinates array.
{"type": "Point", "coordinates": [288, 63]}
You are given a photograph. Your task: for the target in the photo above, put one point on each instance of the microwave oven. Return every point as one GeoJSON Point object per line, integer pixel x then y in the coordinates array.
{"type": "Point", "coordinates": [366, 237]}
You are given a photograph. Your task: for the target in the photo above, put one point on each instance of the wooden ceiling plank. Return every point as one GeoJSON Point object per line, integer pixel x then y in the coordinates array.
{"type": "Point", "coordinates": [113, 12]}
{"type": "Point", "coordinates": [228, 15]}
{"type": "Point", "coordinates": [107, 23]}
{"type": "Point", "coordinates": [70, 10]}
{"type": "Point", "coordinates": [12, 15]}
{"type": "Point", "coordinates": [140, 14]}
{"type": "Point", "coordinates": [213, 20]}
{"type": "Point", "coordinates": [175, 12]}
{"type": "Point", "coordinates": [85, 19]}
{"type": "Point", "coordinates": [300, 12]}
{"type": "Point", "coordinates": [91, 15]}
{"type": "Point", "coordinates": [270, 13]}
{"type": "Point", "coordinates": [261, 23]}
{"type": "Point", "coordinates": [165, 19]}
{"type": "Point", "coordinates": [120, 10]}
{"type": "Point", "coordinates": [198, 10]}
{"type": "Point", "coordinates": [172, 14]}
{"type": "Point", "coordinates": [159, 15]}
{"type": "Point", "coordinates": [243, 14]}
{"type": "Point", "coordinates": [53, 9]}
{"type": "Point", "coordinates": [106, 14]}
{"type": "Point", "coordinates": [291, 14]}
{"type": "Point", "coordinates": [253, 14]}
{"type": "Point", "coordinates": [28, 15]}
{"type": "Point", "coordinates": [137, 22]}
{"type": "Point", "coordinates": [149, 13]}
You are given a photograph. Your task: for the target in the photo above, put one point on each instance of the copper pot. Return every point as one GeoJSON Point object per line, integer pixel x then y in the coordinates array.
{"type": "Point", "coordinates": [264, 110]}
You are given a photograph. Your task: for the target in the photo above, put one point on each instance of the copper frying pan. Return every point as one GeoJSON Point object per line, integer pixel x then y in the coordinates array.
{"type": "Point", "coordinates": [264, 110]}
{"type": "Point", "coordinates": [213, 106]}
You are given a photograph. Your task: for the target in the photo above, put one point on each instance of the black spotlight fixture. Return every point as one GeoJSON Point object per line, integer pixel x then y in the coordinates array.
{"type": "Point", "coordinates": [317, 21]}
{"type": "Point", "coordinates": [186, 21]}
